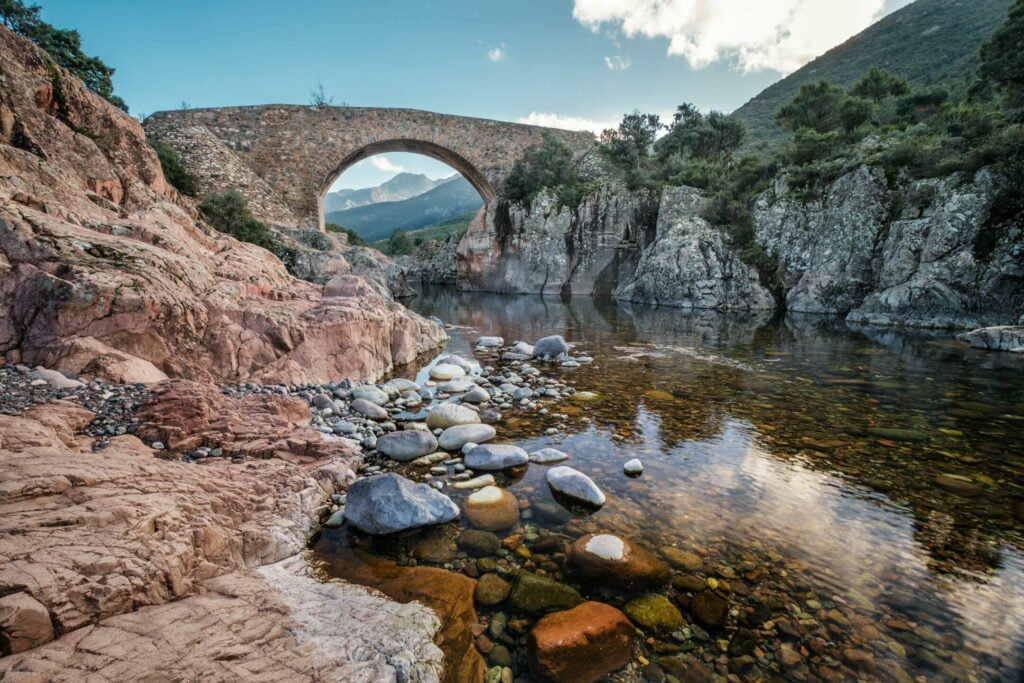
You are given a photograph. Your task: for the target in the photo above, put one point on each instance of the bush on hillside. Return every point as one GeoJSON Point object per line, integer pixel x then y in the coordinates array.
{"type": "Point", "coordinates": [549, 165]}
{"type": "Point", "coordinates": [64, 46]}
{"type": "Point", "coordinates": [174, 171]}
{"type": "Point", "coordinates": [353, 237]}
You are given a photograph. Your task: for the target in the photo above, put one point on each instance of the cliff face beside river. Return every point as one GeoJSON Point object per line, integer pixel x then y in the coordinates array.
{"type": "Point", "coordinates": [921, 253]}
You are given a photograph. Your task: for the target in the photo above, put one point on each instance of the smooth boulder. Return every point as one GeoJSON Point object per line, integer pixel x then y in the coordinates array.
{"type": "Point", "coordinates": [616, 561]}
{"type": "Point", "coordinates": [389, 503]}
{"type": "Point", "coordinates": [407, 445]}
{"type": "Point", "coordinates": [492, 508]}
{"type": "Point", "coordinates": [491, 457]}
{"type": "Point", "coordinates": [368, 409]}
{"type": "Point", "coordinates": [575, 485]}
{"type": "Point", "coordinates": [455, 386]}
{"type": "Point", "coordinates": [451, 414]}
{"type": "Point", "coordinates": [537, 595]}
{"type": "Point", "coordinates": [446, 371]}
{"type": "Point", "coordinates": [370, 393]}
{"type": "Point", "coordinates": [546, 456]}
{"type": "Point", "coordinates": [580, 645]}
{"type": "Point", "coordinates": [490, 342]}
{"type": "Point", "coordinates": [552, 347]}
{"type": "Point", "coordinates": [454, 438]}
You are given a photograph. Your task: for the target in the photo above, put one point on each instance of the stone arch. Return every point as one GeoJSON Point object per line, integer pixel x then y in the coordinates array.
{"type": "Point", "coordinates": [425, 147]}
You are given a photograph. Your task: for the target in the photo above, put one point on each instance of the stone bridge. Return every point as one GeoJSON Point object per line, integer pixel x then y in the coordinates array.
{"type": "Point", "coordinates": [284, 158]}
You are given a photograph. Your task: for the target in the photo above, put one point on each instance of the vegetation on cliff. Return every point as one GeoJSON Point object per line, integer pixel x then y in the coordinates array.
{"type": "Point", "coordinates": [64, 46]}
{"type": "Point", "coordinates": [174, 170]}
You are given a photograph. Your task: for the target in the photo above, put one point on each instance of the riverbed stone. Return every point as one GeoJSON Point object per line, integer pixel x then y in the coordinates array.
{"type": "Point", "coordinates": [369, 392]}
{"type": "Point", "coordinates": [475, 483]}
{"type": "Point", "coordinates": [491, 589]}
{"type": "Point", "coordinates": [468, 366]}
{"type": "Point", "coordinates": [489, 342]}
{"type": "Point", "coordinates": [491, 457]}
{"type": "Point", "coordinates": [615, 561]}
{"type": "Point", "coordinates": [575, 485]}
{"type": "Point", "coordinates": [407, 445]}
{"type": "Point", "coordinates": [552, 346]}
{"type": "Point", "coordinates": [633, 468]}
{"type": "Point", "coordinates": [709, 609]}
{"type": "Point", "coordinates": [479, 543]}
{"type": "Point", "coordinates": [654, 612]}
{"type": "Point", "coordinates": [446, 371]}
{"type": "Point", "coordinates": [522, 348]}
{"type": "Point", "coordinates": [451, 414]}
{"type": "Point", "coordinates": [476, 395]}
{"type": "Point", "coordinates": [388, 503]}
{"type": "Point", "coordinates": [454, 438]}
{"type": "Point", "coordinates": [369, 409]}
{"type": "Point", "coordinates": [537, 595]}
{"type": "Point", "coordinates": [545, 456]}
{"type": "Point", "coordinates": [492, 508]}
{"type": "Point", "coordinates": [681, 559]}
{"type": "Point", "coordinates": [582, 644]}
{"type": "Point", "coordinates": [455, 386]}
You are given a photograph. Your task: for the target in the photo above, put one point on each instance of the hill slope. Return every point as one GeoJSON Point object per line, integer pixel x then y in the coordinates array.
{"type": "Point", "coordinates": [376, 221]}
{"type": "Point", "coordinates": [927, 42]}
{"type": "Point", "coordinates": [402, 186]}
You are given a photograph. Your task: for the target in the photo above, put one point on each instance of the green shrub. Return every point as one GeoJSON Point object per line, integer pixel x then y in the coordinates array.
{"type": "Point", "coordinates": [65, 46]}
{"type": "Point", "coordinates": [549, 165]}
{"type": "Point", "coordinates": [353, 237]}
{"type": "Point", "coordinates": [174, 171]}
{"type": "Point", "coordinates": [228, 212]}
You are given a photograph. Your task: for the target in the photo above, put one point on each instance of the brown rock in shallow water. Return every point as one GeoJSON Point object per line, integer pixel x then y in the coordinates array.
{"type": "Point", "coordinates": [579, 645]}
{"type": "Point", "coordinates": [612, 560]}
{"type": "Point", "coordinates": [492, 508]}
{"type": "Point", "coordinates": [710, 609]}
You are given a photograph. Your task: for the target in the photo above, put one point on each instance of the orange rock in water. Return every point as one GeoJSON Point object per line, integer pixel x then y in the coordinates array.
{"type": "Point", "coordinates": [612, 560]}
{"type": "Point", "coordinates": [492, 508]}
{"type": "Point", "coordinates": [579, 645]}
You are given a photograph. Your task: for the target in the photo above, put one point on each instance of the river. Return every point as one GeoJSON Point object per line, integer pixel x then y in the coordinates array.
{"type": "Point", "coordinates": [855, 494]}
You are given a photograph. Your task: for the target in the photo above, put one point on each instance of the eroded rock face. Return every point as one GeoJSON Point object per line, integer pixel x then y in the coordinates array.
{"type": "Point", "coordinates": [106, 270]}
{"type": "Point", "coordinates": [895, 255]}
{"type": "Point", "coordinates": [547, 248]}
{"type": "Point", "coordinates": [93, 535]}
{"type": "Point", "coordinates": [1004, 338]}
{"type": "Point", "coordinates": [691, 264]}
{"type": "Point", "coordinates": [434, 261]}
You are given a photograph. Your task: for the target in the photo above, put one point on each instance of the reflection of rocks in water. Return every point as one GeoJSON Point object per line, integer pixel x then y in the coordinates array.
{"type": "Point", "coordinates": [696, 327]}
{"type": "Point", "coordinates": [450, 595]}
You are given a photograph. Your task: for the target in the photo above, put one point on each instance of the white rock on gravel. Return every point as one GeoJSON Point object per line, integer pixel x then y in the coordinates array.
{"type": "Point", "coordinates": [575, 485]}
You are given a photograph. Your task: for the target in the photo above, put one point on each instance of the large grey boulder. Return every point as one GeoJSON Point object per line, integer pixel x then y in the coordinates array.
{"type": "Point", "coordinates": [454, 438]}
{"type": "Point", "coordinates": [368, 409]}
{"type": "Point", "coordinates": [1004, 338]}
{"type": "Point", "coordinates": [389, 503]}
{"type": "Point", "coordinates": [451, 414]}
{"type": "Point", "coordinates": [496, 457]}
{"type": "Point", "coordinates": [553, 346]}
{"type": "Point", "coordinates": [370, 393]}
{"type": "Point", "coordinates": [407, 445]}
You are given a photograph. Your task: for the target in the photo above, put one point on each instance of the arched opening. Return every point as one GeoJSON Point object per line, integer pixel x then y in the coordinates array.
{"type": "Point", "coordinates": [396, 201]}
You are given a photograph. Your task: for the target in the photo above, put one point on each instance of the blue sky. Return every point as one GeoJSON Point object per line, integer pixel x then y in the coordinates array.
{"type": "Point", "coordinates": [578, 63]}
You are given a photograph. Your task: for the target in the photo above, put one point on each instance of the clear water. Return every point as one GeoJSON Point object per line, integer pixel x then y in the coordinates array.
{"type": "Point", "coordinates": [766, 452]}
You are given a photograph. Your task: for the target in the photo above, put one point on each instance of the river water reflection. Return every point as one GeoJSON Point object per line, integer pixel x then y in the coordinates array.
{"type": "Point", "coordinates": [858, 494]}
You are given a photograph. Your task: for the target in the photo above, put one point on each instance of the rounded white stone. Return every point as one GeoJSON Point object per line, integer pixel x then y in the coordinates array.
{"type": "Point", "coordinates": [446, 371]}
{"type": "Point", "coordinates": [486, 496]}
{"type": "Point", "coordinates": [607, 547]}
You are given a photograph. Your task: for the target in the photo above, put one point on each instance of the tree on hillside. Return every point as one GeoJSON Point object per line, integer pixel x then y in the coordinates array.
{"type": "Point", "coordinates": [65, 46]}
{"type": "Point", "coordinates": [1002, 58]}
{"type": "Point", "coordinates": [701, 136]}
{"type": "Point", "coordinates": [628, 148]}
{"type": "Point", "coordinates": [548, 165]}
{"type": "Point", "coordinates": [877, 84]}
{"type": "Point", "coordinates": [399, 244]}
{"type": "Point", "coordinates": [816, 107]}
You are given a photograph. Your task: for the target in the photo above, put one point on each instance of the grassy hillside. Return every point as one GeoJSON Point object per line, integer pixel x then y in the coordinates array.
{"type": "Point", "coordinates": [928, 42]}
{"type": "Point", "coordinates": [455, 226]}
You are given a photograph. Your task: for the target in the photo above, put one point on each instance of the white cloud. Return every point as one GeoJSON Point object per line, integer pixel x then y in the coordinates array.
{"type": "Point", "coordinates": [617, 63]}
{"type": "Point", "coordinates": [382, 163]}
{"type": "Point", "coordinates": [754, 34]}
{"type": "Point", "coordinates": [496, 54]}
{"type": "Point", "coordinates": [549, 120]}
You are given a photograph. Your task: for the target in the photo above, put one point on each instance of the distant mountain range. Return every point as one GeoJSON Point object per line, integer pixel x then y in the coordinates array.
{"type": "Point", "coordinates": [376, 221]}
{"type": "Point", "coordinates": [402, 186]}
{"type": "Point", "coordinates": [929, 42]}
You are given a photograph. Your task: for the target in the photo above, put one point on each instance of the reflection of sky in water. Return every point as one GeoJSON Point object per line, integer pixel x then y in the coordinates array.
{"type": "Point", "coordinates": [713, 479]}
{"type": "Point", "coordinates": [730, 488]}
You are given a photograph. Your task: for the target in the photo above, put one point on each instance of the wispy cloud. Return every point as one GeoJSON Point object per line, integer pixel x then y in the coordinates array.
{"type": "Point", "coordinates": [496, 54]}
{"type": "Point", "coordinates": [382, 163]}
{"type": "Point", "coordinates": [551, 120]}
{"type": "Point", "coordinates": [617, 63]}
{"type": "Point", "coordinates": [753, 34]}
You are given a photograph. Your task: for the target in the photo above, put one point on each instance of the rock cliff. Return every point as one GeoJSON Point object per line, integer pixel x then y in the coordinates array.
{"type": "Point", "coordinates": [692, 264]}
{"type": "Point", "coordinates": [916, 253]}
{"type": "Point", "coordinates": [106, 270]}
{"type": "Point", "coordinates": [546, 248]}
